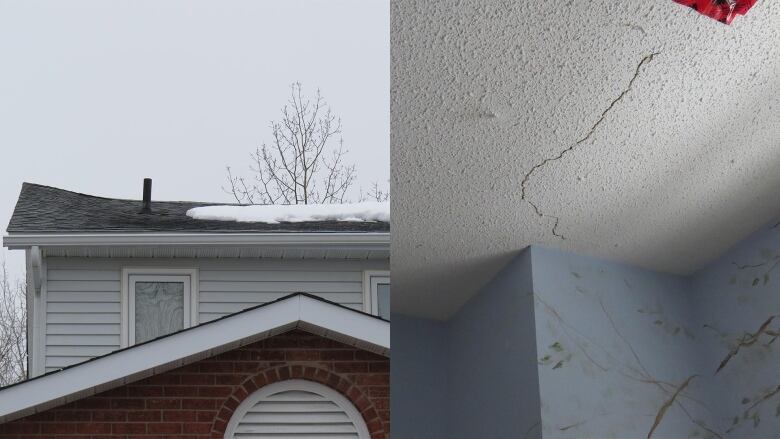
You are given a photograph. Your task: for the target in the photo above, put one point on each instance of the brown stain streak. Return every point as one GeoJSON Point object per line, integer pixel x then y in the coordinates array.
{"type": "Point", "coordinates": [665, 407]}
{"type": "Point", "coordinates": [764, 398]}
{"type": "Point", "coordinates": [747, 266]}
{"type": "Point", "coordinates": [650, 380]}
{"type": "Point", "coordinates": [568, 427]}
{"type": "Point", "coordinates": [644, 375]}
{"type": "Point", "coordinates": [532, 428]}
{"type": "Point", "coordinates": [748, 340]}
{"type": "Point", "coordinates": [625, 340]}
{"type": "Point", "coordinates": [743, 267]}
{"type": "Point", "coordinates": [755, 404]}
{"type": "Point", "coordinates": [563, 323]}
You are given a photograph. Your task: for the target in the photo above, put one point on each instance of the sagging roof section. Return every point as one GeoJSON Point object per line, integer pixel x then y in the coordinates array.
{"type": "Point", "coordinates": [303, 311]}
{"type": "Point", "coordinates": [45, 209]}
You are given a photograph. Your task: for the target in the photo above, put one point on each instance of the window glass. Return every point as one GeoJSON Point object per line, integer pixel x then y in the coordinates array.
{"type": "Point", "coordinates": [159, 309]}
{"type": "Point", "coordinates": [383, 300]}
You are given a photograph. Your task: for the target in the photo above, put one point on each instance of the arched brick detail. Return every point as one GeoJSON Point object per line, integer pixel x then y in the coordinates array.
{"type": "Point", "coordinates": [350, 390]}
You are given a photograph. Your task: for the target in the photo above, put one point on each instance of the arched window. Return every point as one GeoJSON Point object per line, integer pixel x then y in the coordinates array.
{"type": "Point", "coordinates": [296, 408]}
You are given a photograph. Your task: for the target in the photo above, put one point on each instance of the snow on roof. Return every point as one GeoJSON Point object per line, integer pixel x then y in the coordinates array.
{"type": "Point", "coordinates": [45, 209]}
{"type": "Point", "coordinates": [274, 214]}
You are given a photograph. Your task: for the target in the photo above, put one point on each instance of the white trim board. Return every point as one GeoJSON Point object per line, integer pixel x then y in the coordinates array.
{"type": "Point", "coordinates": [185, 347]}
{"type": "Point", "coordinates": [334, 240]}
{"type": "Point", "coordinates": [36, 311]}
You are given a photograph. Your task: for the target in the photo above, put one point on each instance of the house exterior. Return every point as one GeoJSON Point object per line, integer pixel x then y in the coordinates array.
{"type": "Point", "coordinates": [142, 320]}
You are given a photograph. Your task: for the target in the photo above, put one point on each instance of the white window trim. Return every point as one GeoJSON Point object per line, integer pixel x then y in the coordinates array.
{"type": "Point", "coordinates": [370, 279]}
{"type": "Point", "coordinates": [300, 385]}
{"type": "Point", "coordinates": [191, 317]}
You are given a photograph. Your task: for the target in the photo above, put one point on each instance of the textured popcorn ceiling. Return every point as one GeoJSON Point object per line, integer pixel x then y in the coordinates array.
{"type": "Point", "coordinates": [638, 131]}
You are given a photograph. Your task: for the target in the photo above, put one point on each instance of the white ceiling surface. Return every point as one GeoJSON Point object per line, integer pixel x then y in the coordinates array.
{"type": "Point", "coordinates": [680, 168]}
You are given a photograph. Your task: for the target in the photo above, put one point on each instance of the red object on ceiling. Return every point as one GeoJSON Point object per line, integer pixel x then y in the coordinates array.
{"type": "Point", "coordinates": [721, 10]}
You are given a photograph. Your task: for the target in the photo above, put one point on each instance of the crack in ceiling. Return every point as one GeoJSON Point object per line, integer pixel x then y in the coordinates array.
{"type": "Point", "coordinates": [527, 177]}
{"type": "Point", "coordinates": [678, 154]}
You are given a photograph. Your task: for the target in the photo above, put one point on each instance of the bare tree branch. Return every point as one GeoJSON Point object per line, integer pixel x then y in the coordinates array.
{"type": "Point", "coordinates": [375, 193]}
{"type": "Point", "coordinates": [13, 329]}
{"type": "Point", "coordinates": [302, 165]}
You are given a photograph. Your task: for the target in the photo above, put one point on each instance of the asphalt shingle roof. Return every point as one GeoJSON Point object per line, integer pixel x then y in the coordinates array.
{"type": "Point", "coordinates": [43, 209]}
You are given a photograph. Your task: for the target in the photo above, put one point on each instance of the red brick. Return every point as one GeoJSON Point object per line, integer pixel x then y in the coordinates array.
{"type": "Point", "coordinates": [222, 366]}
{"type": "Point", "coordinates": [58, 428]}
{"type": "Point", "coordinates": [243, 367]}
{"type": "Point", "coordinates": [196, 401]}
{"type": "Point", "coordinates": [379, 366]}
{"type": "Point", "coordinates": [199, 404]}
{"type": "Point", "coordinates": [109, 416]}
{"type": "Point", "coordinates": [73, 415]}
{"type": "Point", "coordinates": [207, 416]}
{"type": "Point", "coordinates": [162, 403]}
{"type": "Point", "coordinates": [164, 427]}
{"type": "Point", "coordinates": [179, 415]}
{"type": "Point", "coordinates": [350, 367]}
{"type": "Point", "coordinates": [22, 428]}
{"type": "Point", "coordinates": [93, 428]}
{"type": "Point", "coordinates": [94, 403]}
{"type": "Point", "coordinates": [197, 379]}
{"type": "Point", "coordinates": [144, 416]}
{"type": "Point", "coordinates": [303, 355]}
{"type": "Point", "coordinates": [128, 428]}
{"type": "Point", "coordinates": [338, 355]}
{"type": "Point", "coordinates": [163, 379]}
{"type": "Point", "coordinates": [373, 379]}
{"type": "Point", "coordinates": [125, 403]}
{"type": "Point", "coordinates": [136, 391]}
{"type": "Point", "coordinates": [215, 391]}
{"type": "Point", "coordinates": [199, 428]}
{"type": "Point", "coordinates": [370, 356]}
{"type": "Point", "coordinates": [181, 390]}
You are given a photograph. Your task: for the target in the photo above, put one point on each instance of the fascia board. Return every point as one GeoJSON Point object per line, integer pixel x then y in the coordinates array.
{"type": "Point", "coordinates": [361, 240]}
{"type": "Point", "coordinates": [105, 372]}
{"type": "Point", "coordinates": [145, 357]}
{"type": "Point", "coordinates": [345, 322]}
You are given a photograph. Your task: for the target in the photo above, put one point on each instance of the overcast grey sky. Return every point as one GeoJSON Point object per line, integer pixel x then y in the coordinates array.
{"type": "Point", "coordinates": [96, 95]}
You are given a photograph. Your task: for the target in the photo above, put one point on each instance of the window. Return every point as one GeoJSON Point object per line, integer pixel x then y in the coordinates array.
{"type": "Point", "coordinates": [157, 302]}
{"type": "Point", "coordinates": [295, 409]}
{"type": "Point", "coordinates": [376, 293]}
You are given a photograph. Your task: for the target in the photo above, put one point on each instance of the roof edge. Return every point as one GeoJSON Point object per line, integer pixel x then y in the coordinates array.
{"type": "Point", "coordinates": [361, 240]}
{"type": "Point", "coordinates": [175, 350]}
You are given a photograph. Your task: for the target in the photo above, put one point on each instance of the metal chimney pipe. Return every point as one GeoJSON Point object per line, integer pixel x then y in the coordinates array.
{"type": "Point", "coordinates": [147, 206]}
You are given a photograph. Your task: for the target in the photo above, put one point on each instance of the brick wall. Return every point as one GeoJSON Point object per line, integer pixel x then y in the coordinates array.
{"type": "Point", "coordinates": [196, 401]}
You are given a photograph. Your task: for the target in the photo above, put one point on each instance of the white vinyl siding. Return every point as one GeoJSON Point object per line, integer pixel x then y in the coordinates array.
{"type": "Point", "coordinates": [296, 409]}
{"type": "Point", "coordinates": [83, 305]}
{"type": "Point", "coordinates": [82, 315]}
{"type": "Point", "coordinates": [224, 292]}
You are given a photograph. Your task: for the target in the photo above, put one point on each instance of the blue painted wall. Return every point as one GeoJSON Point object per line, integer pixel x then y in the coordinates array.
{"type": "Point", "coordinates": [418, 377]}
{"type": "Point", "coordinates": [566, 346]}
{"type": "Point", "coordinates": [737, 299]}
{"type": "Point", "coordinates": [615, 343]}
{"type": "Point", "coordinates": [474, 376]}
{"type": "Point", "coordinates": [622, 350]}
{"type": "Point", "coordinates": [494, 390]}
